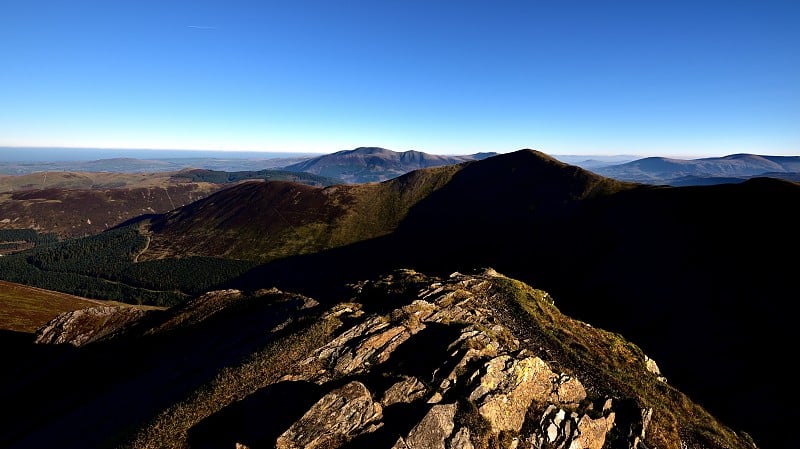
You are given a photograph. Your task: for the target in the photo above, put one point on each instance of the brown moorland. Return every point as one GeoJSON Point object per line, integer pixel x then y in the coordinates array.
{"type": "Point", "coordinates": [25, 309]}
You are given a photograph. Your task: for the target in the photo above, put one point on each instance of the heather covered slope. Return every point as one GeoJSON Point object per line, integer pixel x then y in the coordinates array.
{"type": "Point", "coordinates": [25, 309]}
{"type": "Point", "coordinates": [75, 204]}
{"type": "Point", "coordinates": [468, 360]}
{"type": "Point", "coordinates": [266, 221]}
{"type": "Point", "coordinates": [73, 213]}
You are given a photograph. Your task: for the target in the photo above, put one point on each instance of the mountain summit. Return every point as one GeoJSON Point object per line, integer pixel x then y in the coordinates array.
{"type": "Point", "coordinates": [406, 360]}
{"type": "Point", "coordinates": [373, 164]}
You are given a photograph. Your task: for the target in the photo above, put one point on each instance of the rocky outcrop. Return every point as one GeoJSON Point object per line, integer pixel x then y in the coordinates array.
{"type": "Point", "coordinates": [432, 431]}
{"type": "Point", "coordinates": [83, 326]}
{"type": "Point", "coordinates": [446, 371]}
{"type": "Point", "coordinates": [335, 418]}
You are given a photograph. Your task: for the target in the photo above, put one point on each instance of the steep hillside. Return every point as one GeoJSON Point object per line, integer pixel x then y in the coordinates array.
{"type": "Point", "coordinates": [74, 204]}
{"type": "Point", "coordinates": [79, 212]}
{"type": "Point", "coordinates": [371, 164]}
{"type": "Point", "coordinates": [266, 221]}
{"type": "Point", "coordinates": [404, 360]}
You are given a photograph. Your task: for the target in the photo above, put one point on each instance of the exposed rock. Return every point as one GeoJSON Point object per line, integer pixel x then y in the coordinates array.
{"type": "Point", "coordinates": [432, 430]}
{"type": "Point", "coordinates": [461, 440]}
{"type": "Point", "coordinates": [457, 354]}
{"type": "Point", "coordinates": [507, 386]}
{"type": "Point", "coordinates": [358, 348]}
{"type": "Point", "coordinates": [338, 416]}
{"type": "Point", "coordinates": [407, 390]}
{"type": "Point", "coordinates": [83, 326]}
{"type": "Point", "coordinates": [652, 366]}
{"type": "Point", "coordinates": [568, 390]}
{"type": "Point", "coordinates": [568, 430]}
{"type": "Point", "coordinates": [483, 362]}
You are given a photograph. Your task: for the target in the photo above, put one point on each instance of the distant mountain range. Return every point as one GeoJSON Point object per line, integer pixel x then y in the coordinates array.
{"type": "Point", "coordinates": [706, 171]}
{"type": "Point", "coordinates": [696, 276]}
{"type": "Point", "coordinates": [372, 164]}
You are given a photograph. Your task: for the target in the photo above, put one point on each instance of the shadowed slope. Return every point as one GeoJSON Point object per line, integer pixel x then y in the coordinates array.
{"type": "Point", "coordinates": [696, 275]}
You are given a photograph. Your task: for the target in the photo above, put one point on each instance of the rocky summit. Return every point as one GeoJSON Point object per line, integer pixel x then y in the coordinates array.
{"type": "Point", "coordinates": [408, 360]}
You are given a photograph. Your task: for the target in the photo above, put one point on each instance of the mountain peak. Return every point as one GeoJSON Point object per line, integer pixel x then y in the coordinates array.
{"type": "Point", "coordinates": [375, 164]}
{"type": "Point", "coordinates": [366, 150]}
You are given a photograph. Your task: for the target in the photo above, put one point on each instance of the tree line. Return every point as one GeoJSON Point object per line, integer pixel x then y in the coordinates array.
{"type": "Point", "coordinates": [102, 267]}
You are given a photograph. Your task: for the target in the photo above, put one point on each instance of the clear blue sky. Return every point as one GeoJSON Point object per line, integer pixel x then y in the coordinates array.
{"type": "Point", "coordinates": [563, 76]}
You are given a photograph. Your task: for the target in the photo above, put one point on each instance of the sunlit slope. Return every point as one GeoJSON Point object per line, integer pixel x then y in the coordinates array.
{"type": "Point", "coordinates": [25, 309]}
{"type": "Point", "coordinates": [266, 221]}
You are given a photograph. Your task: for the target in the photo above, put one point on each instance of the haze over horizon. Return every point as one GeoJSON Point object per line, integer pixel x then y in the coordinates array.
{"type": "Point", "coordinates": [678, 79]}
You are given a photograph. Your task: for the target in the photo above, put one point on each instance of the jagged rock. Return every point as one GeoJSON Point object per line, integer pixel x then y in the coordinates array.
{"type": "Point", "coordinates": [407, 390]}
{"type": "Point", "coordinates": [652, 366]}
{"type": "Point", "coordinates": [83, 326]}
{"type": "Point", "coordinates": [461, 440]}
{"type": "Point", "coordinates": [559, 429]}
{"type": "Point", "coordinates": [470, 354]}
{"type": "Point", "coordinates": [592, 432]}
{"type": "Point", "coordinates": [568, 390]}
{"type": "Point", "coordinates": [338, 416]}
{"type": "Point", "coordinates": [507, 386]}
{"type": "Point", "coordinates": [432, 430]}
{"type": "Point", "coordinates": [358, 348]}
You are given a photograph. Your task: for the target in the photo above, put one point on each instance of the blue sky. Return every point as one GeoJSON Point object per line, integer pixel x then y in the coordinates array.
{"type": "Point", "coordinates": [666, 78]}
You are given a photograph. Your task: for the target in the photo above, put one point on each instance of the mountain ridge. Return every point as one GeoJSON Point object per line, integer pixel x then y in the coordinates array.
{"type": "Point", "coordinates": [673, 268]}
{"type": "Point", "coordinates": [375, 164]}
{"type": "Point", "coordinates": [468, 360]}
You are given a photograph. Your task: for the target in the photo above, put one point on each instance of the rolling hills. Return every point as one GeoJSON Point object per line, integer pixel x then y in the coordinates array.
{"type": "Point", "coordinates": [76, 204]}
{"type": "Point", "coordinates": [703, 171]}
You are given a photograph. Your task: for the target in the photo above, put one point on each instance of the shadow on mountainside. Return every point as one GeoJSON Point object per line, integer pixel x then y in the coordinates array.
{"type": "Point", "coordinates": [257, 420]}
{"type": "Point", "coordinates": [694, 275]}
{"type": "Point", "coordinates": [94, 395]}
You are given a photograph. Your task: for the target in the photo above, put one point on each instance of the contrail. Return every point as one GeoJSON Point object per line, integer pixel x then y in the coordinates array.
{"type": "Point", "coordinates": [201, 27]}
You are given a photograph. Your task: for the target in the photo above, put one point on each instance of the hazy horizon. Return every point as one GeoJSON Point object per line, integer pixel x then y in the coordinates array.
{"type": "Point", "coordinates": [678, 79]}
{"type": "Point", "coordinates": [67, 154]}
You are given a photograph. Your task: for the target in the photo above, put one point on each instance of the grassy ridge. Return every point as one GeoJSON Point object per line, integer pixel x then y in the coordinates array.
{"type": "Point", "coordinates": [262, 222]}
